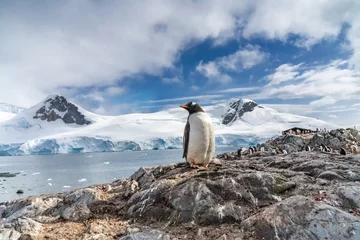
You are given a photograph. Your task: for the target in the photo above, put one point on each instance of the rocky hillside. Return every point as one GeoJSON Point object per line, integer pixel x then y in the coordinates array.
{"type": "Point", "coordinates": [328, 141]}
{"type": "Point", "coordinates": [304, 195]}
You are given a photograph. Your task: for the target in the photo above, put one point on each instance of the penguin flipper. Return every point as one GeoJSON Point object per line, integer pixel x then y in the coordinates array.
{"type": "Point", "coordinates": [186, 139]}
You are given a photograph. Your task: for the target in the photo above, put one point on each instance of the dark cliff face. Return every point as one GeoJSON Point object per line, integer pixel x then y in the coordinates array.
{"type": "Point", "coordinates": [59, 108]}
{"type": "Point", "coordinates": [236, 110]}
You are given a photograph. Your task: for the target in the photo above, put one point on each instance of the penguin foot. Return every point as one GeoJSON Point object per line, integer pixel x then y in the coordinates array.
{"type": "Point", "coordinates": [193, 165]}
{"type": "Point", "coordinates": [207, 165]}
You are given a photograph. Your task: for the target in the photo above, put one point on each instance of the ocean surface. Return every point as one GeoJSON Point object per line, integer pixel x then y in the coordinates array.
{"type": "Point", "coordinates": [44, 174]}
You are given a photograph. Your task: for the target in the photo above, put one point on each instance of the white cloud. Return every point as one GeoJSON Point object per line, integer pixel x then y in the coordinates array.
{"type": "Point", "coordinates": [189, 98]}
{"type": "Point", "coordinates": [283, 73]}
{"type": "Point", "coordinates": [173, 80]}
{"type": "Point", "coordinates": [194, 88]}
{"type": "Point", "coordinates": [330, 80]}
{"type": "Point", "coordinates": [86, 43]}
{"type": "Point", "coordinates": [242, 59]}
{"type": "Point", "coordinates": [327, 100]}
{"type": "Point", "coordinates": [113, 91]}
{"type": "Point", "coordinates": [211, 71]}
{"type": "Point", "coordinates": [238, 90]}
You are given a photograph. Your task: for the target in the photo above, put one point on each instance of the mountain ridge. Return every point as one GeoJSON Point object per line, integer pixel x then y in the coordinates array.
{"type": "Point", "coordinates": [41, 129]}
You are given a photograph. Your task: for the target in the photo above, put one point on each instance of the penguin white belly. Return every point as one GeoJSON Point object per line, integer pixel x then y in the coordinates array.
{"type": "Point", "coordinates": [201, 139]}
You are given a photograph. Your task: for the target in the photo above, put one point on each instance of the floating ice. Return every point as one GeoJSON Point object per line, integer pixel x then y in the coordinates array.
{"type": "Point", "coordinates": [37, 173]}
{"type": "Point", "coordinates": [106, 162]}
{"type": "Point", "coordinates": [50, 184]}
{"type": "Point", "coordinates": [49, 179]}
{"type": "Point", "coordinates": [66, 186]}
{"type": "Point", "coordinates": [82, 180]}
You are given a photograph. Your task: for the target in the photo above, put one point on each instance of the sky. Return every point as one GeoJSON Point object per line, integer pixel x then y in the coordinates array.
{"type": "Point", "coordinates": [117, 57]}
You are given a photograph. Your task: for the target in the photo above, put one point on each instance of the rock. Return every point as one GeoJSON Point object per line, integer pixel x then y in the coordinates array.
{"type": "Point", "coordinates": [329, 175]}
{"type": "Point", "coordinates": [99, 236]}
{"type": "Point", "coordinates": [20, 191]}
{"type": "Point", "coordinates": [353, 176]}
{"type": "Point", "coordinates": [76, 213]}
{"type": "Point", "coordinates": [335, 143]}
{"type": "Point", "coordinates": [355, 149]}
{"type": "Point", "coordinates": [354, 132]}
{"type": "Point", "coordinates": [7, 174]}
{"type": "Point", "coordinates": [147, 235]}
{"type": "Point", "coordinates": [138, 174]}
{"type": "Point", "coordinates": [29, 207]}
{"type": "Point", "coordinates": [350, 194]}
{"type": "Point", "coordinates": [82, 196]}
{"type": "Point", "coordinates": [236, 110]}
{"type": "Point", "coordinates": [25, 225]}
{"type": "Point", "coordinates": [9, 234]}
{"type": "Point", "coordinates": [131, 188]}
{"type": "Point", "coordinates": [299, 217]}
{"type": "Point", "coordinates": [132, 230]}
{"type": "Point", "coordinates": [69, 111]}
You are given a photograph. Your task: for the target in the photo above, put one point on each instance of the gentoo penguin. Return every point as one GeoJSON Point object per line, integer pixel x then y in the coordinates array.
{"type": "Point", "coordinates": [199, 138]}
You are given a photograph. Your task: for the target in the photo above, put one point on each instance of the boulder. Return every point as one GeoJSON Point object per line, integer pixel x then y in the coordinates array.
{"type": "Point", "coordinates": [299, 217]}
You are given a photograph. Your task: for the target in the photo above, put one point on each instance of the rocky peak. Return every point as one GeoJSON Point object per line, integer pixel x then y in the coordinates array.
{"type": "Point", "coordinates": [57, 107]}
{"type": "Point", "coordinates": [236, 110]}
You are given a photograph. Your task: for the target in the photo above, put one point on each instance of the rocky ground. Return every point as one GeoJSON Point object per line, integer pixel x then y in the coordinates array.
{"type": "Point", "coordinates": [302, 195]}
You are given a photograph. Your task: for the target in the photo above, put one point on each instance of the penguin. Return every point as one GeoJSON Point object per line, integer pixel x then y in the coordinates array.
{"type": "Point", "coordinates": [239, 152]}
{"type": "Point", "coordinates": [342, 151]}
{"type": "Point", "coordinates": [199, 138]}
{"type": "Point", "coordinates": [251, 150]}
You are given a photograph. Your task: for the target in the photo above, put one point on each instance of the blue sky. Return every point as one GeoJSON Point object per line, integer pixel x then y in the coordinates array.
{"type": "Point", "coordinates": [118, 57]}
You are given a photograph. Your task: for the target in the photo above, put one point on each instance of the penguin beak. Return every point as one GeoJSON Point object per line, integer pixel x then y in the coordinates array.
{"type": "Point", "coordinates": [184, 106]}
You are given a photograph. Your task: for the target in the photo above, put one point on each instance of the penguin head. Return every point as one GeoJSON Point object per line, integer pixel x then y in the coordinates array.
{"type": "Point", "coordinates": [192, 107]}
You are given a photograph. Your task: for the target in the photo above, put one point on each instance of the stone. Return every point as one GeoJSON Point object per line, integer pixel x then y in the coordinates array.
{"type": "Point", "coordinates": [20, 191]}
{"type": "Point", "coordinates": [138, 174]}
{"type": "Point", "coordinates": [131, 188]}
{"type": "Point", "coordinates": [329, 175]}
{"type": "Point", "coordinates": [9, 234]}
{"type": "Point", "coordinates": [147, 235]}
{"type": "Point", "coordinates": [7, 174]}
{"type": "Point", "coordinates": [25, 225]}
{"type": "Point", "coordinates": [350, 194]}
{"type": "Point", "coordinates": [82, 196]}
{"type": "Point", "coordinates": [76, 213]}
{"type": "Point", "coordinates": [299, 217]}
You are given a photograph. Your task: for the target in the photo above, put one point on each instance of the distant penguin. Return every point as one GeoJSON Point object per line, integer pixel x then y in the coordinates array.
{"type": "Point", "coordinates": [251, 150]}
{"type": "Point", "coordinates": [284, 151]}
{"type": "Point", "coordinates": [308, 148]}
{"type": "Point", "coordinates": [342, 151]}
{"type": "Point", "coordinates": [262, 149]}
{"type": "Point", "coordinates": [199, 138]}
{"type": "Point", "coordinates": [239, 152]}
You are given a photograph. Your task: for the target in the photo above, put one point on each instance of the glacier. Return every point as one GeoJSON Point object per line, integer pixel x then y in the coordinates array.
{"type": "Point", "coordinates": [104, 144]}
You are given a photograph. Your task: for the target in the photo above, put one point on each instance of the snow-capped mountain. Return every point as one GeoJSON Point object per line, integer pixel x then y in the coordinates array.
{"type": "Point", "coordinates": [56, 125]}
{"type": "Point", "coordinates": [8, 111]}
{"type": "Point", "coordinates": [4, 107]}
